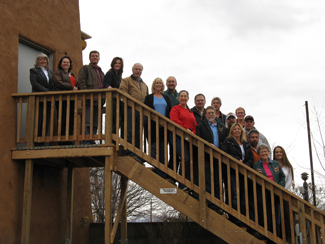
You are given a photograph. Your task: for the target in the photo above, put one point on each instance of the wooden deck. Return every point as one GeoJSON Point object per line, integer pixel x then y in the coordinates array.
{"type": "Point", "coordinates": [106, 154]}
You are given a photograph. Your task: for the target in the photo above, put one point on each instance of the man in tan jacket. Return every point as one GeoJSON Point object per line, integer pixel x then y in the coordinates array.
{"type": "Point", "coordinates": [135, 87]}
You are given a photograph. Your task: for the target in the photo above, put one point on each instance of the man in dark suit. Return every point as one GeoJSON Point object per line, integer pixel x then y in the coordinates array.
{"type": "Point", "coordinates": [41, 81]}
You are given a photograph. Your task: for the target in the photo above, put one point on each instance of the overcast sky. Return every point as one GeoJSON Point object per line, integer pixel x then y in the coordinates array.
{"type": "Point", "coordinates": [265, 56]}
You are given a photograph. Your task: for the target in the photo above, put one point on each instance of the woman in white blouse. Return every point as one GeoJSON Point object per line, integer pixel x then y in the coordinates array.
{"type": "Point", "coordinates": [280, 155]}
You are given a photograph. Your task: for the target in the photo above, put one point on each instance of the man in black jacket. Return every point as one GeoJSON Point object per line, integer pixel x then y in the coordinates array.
{"type": "Point", "coordinates": [213, 131]}
{"type": "Point", "coordinates": [198, 110]}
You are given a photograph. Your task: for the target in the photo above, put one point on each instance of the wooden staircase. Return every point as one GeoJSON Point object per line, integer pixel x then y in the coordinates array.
{"type": "Point", "coordinates": [183, 202]}
{"type": "Point", "coordinates": [310, 219]}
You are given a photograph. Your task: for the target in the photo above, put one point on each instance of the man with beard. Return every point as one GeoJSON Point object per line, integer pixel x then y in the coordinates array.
{"type": "Point", "coordinates": [249, 125]}
{"type": "Point", "coordinates": [213, 131]}
{"type": "Point", "coordinates": [253, 138]}
{"type": "Point", "coordinates": [230, 120]}
{"type": "Point", "coordinates": [198, 109]}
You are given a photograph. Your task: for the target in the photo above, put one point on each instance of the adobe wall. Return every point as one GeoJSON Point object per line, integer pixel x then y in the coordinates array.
{"type": "Point", "coordinates": [56, 27]}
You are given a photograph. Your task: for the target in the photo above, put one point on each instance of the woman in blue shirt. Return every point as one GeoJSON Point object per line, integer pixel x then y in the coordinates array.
{"type": "Point", "coordinates": [161, 103]}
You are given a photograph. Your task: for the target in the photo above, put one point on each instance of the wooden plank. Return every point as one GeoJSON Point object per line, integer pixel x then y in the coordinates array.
{"type": "Point", "coordinates": [302, 221]}
{"type": "Point", "coordinates": [283, 221]}
{"type": "Point", "coordinates": [83, 126]}
{"type": "Point", "coordinates": [109, 118]}
{"type": "Point", "coordinates": [20, 107]}
{"type": "Point", "coordinates": [109, 162]}
{"type": "Point", "coordinates": [122, 204]}
{"type": "Point", "coordinates": [202, 199]}
{"type": "Point", "coordinates": [69, 204]}
{"type": "Point", "coordinates": [273, 210]}
{"type": "Point", "coordinates": [189, 140]}
{"type": "Point", "coordinates": [142, 138]}
{"type": "Point", "coordinates": [52, 118]}
{"type": "Point", "coordinates": [91, 116]}
{"type": "Point", "coordinates": [30, 119]}
{"type": "Point", "coordinates": [124, 189]}
{"type": "Point", "coordinates": [312, 228]}
{"type": "Point", "coordinates": [99, 119]}
{"type": "Point", "coordinates": [27, 202]}
{"type": "Point", "coordinates": [60, 118]}
{"type": "Point", "coordinates": [67, 119]}
{"type": "Point", "coordinates": [217, 224]}
{"type": "Point", "coordinates": [61, 153]}
{"type": "Point", "coordinates": [44, 118]}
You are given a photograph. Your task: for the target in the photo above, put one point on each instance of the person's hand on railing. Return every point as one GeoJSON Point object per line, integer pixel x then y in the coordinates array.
{"type": "Point", "coordinates": [109, 87]}
{"type": "Point", "coordinates": [75, 88]}
{"type": "Point", "coordinates": [190, 130]}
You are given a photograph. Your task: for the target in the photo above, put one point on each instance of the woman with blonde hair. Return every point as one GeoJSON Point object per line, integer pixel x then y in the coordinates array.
{"type": "Point", "coordinates": [41, 79]}
{"type": "Point", "coordinates": [237, 146]}
{"type": "Point", "coordinates": [160, 103]}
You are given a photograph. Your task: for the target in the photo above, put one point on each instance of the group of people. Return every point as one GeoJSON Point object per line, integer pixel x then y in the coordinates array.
{"type": "Point", "coordinates": [234, 133]}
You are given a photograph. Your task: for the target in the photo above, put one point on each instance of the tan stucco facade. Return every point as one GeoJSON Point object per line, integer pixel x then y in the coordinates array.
{"type": "Point", "coordinates": [53, 25]}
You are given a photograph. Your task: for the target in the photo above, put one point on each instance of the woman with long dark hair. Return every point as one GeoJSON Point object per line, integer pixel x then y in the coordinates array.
{"type": "Point", "coordinates": [279, 154]}
{"type": "Point", "coordinates": [113, 79]}
{"type": "Point", "coordinates": [65, 80]}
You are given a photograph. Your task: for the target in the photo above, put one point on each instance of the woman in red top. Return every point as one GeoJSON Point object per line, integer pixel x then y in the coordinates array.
{"type": "Point", "coordinates": [182, 115]}
{"type": "Point", "coordinates": [63, 80]}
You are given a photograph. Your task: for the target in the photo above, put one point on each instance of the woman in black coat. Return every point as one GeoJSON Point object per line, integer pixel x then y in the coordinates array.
{"type": "Point", "coordinates": [41, 81]}
{"type": "Point", "coordinates": [113, 79]}
{"type": "Point", "coordinates": [161, 103]}
{"type": "Point", "coordinates": [237, 146]}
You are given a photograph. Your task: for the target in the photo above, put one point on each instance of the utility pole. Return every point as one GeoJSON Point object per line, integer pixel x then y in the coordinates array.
{"type": "Point", "coordinates": [310, 155]}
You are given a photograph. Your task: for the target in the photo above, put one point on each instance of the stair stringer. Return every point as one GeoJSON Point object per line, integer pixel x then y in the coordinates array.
{"type": "Point", "coordinates": [183, 202]}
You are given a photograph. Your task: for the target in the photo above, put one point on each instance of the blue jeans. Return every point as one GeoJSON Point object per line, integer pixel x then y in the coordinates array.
{"type": "Point", "coordinates": [215, 175]}
{"type": "Point", "coordinates": [95, 118]}
{"type": "Point", "coordinates": [161, 155]}
{"type": "Point", "coordinates": [130, 121]}
{"type": "Point", "coordinates": [186, 157]}
{"type": "Point", "coordinates": [234, 199]}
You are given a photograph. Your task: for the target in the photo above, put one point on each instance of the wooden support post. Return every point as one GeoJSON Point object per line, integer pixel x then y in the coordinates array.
{"type": "Point", "coordinates": [124, 189]}
{"type": "Point", "coordinates": [108, 194]}
{"type": "Point", "coordinates": [202, 199]}
{"type": "Point", "coordinates": [69, 217]}
{"type": "Point", "coordinates": [27, 202]}
{"type": "Point", "coordinates": [302, 221]}
{"type": "Point", "coordinates": [28, 183]}
{"type": "Point", "coordinates": [109, 118]}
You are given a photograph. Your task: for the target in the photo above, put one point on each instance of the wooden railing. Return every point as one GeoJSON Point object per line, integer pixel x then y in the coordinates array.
{"type": "Point", "coordinates": [310, 219]}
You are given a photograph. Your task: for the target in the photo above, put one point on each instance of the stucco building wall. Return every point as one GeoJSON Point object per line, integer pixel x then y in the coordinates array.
{"type": "Point", "coordinates": [54, 25]}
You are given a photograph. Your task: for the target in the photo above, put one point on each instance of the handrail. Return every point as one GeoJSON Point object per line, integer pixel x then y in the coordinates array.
{"type": "Point", "coordinates": [30, 105]}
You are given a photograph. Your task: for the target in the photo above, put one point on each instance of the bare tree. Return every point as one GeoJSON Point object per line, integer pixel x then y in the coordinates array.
{"type": "Point", "coordinates": [140, 203]}
{"type": "Point", "coordinates": [319, 191]}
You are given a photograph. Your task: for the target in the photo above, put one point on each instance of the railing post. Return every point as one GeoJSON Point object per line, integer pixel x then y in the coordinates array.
{"type": "Point", "coordinates": [30, 121]}
{"type": "Point", "coordinates": [202, 198]}
{"type": "Point", "coordinates": [28, 184]}
{"type": "Point", "coordinates": [302, 221]}
{"type": "Point", "coordinates": [124, 189]}
{"type": "Point", "coordinates": [109, 118]}
{"type": "Point", "coordinates": [108, 193]}
{"type": "Point", "coordinates": [69, 205]}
